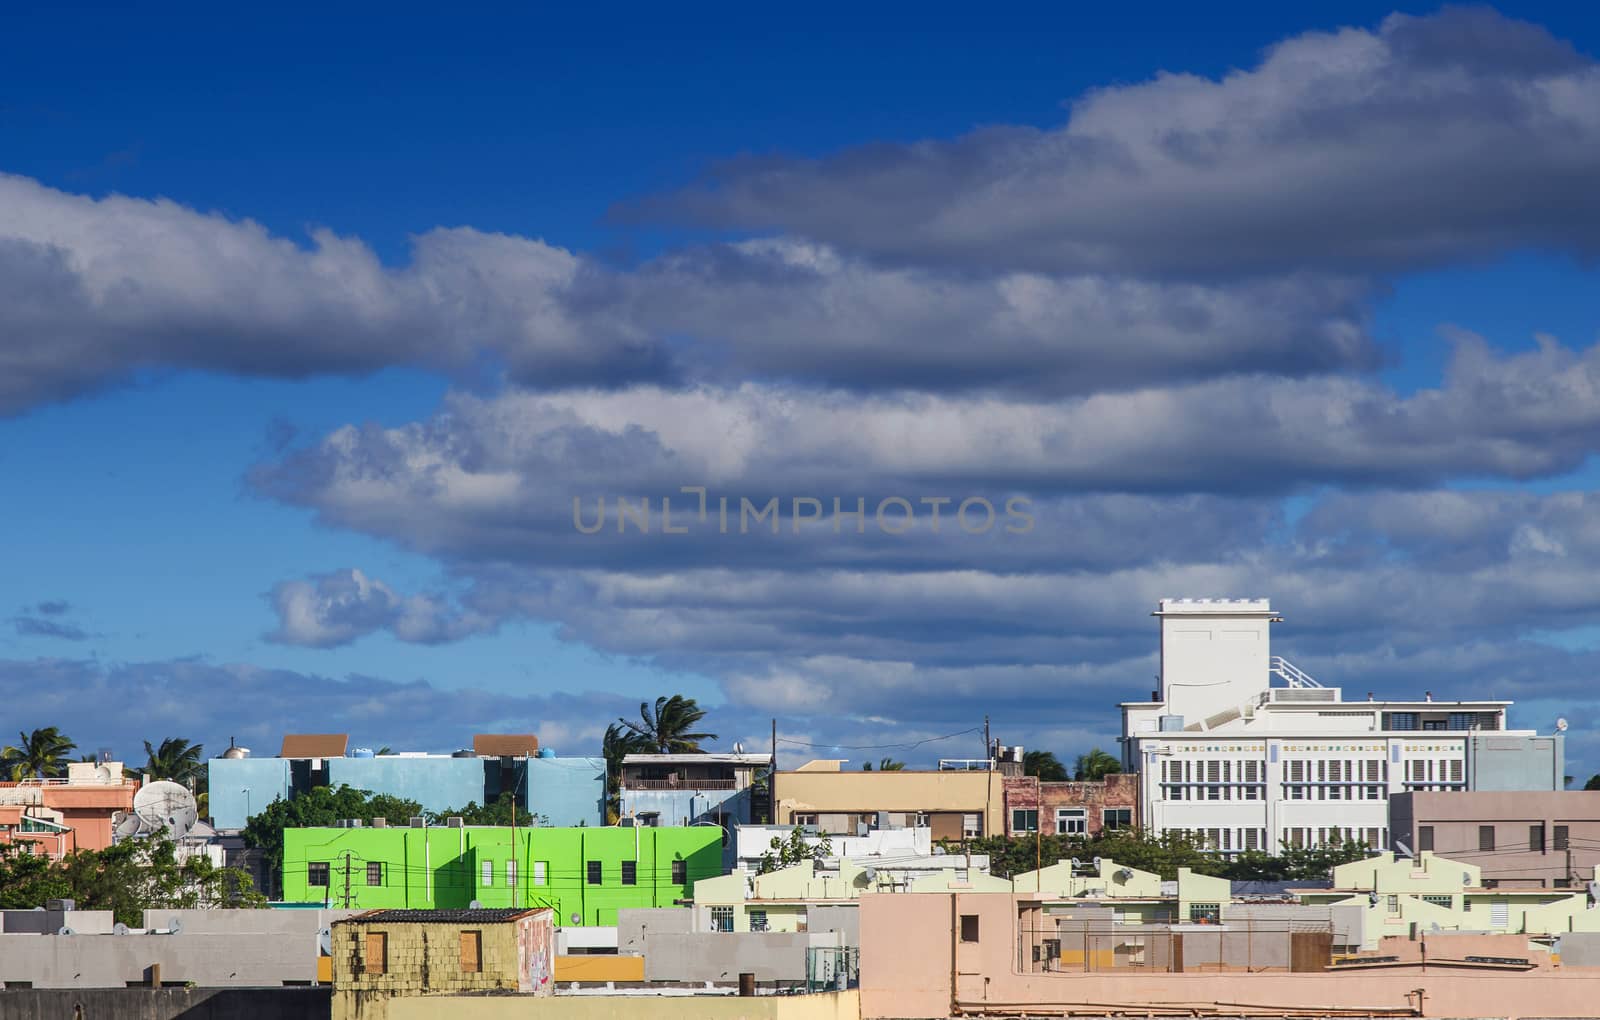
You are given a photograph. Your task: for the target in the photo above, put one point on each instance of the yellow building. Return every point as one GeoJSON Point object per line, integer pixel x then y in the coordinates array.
{"type": "Point", "coordinates": [387, 954]}
{"type": "Point", "coordinates": [1431, 893]}
{"type": "Point", "coordinates": [956, 803]}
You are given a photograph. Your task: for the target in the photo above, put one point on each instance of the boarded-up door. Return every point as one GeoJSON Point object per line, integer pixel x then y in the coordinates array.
{"type": "Point", "coordinates": [1310, 951]}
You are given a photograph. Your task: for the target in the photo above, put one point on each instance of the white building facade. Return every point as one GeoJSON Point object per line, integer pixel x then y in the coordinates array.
{"type": "Point", "coordinates": [1226, 755]}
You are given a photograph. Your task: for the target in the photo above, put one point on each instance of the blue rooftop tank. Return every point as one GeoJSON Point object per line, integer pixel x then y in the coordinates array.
{"type": "Point", "coordinates": [547, 752]}
{"type": "Point", "coordinates": [361, 752]}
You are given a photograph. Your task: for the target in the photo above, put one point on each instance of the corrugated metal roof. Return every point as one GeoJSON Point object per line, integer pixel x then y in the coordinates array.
{"type": "Point", "coordinates": [504, 745]}
{"type": "Point", "coordinates": [314, 745]}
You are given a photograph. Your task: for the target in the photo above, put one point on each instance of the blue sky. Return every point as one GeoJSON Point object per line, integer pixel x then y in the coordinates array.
{"type": "Point", "coordinates": [186, 469]}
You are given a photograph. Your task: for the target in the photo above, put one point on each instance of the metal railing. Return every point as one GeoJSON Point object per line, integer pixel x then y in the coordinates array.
{"type": "Point", "coordinates": [680, 784]}
{"type": "Point", "coordinates": [1292, 675]}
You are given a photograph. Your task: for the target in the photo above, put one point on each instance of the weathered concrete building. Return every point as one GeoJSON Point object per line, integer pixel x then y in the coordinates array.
{"type": "Point", "coordinates": [1070, 808]}
{"type": "Point", "coordinates": [1526, 839]}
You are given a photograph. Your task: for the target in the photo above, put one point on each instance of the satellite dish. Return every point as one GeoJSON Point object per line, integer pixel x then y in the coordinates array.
{"type": "Point", "coordinates": [119, 929]}
{"type": "Point", "coordinates": [1097, 864]}
{"type": "Point", "coordinates": [475, 905]}
{"type": "Point", "coordinates": [166, 805]}
{"type": "Point", "coordinates": [576, 917]}
{"type": "Point", "coordinates": [1124, 874]}
{"type": "Point", "coordinates": [738, 749]}
{"type": "Point", "coordinates": [325, 941]}
{"type": "Point", "coordinates": [1561, 725]}
{"type": "Point", "coordinates": [125, 824]}
{"type": "Point", "coordinates": [174, 927]}
{"type": "Point", "coordinates": [102, 774]}
{"type": "Point", "coordinates": [1466, 878]}
{"type": "Point", "coordinates": [870, 874]}
{"type": "Point", "coordinates": [1074, 862]}
{"type": "Point", "coordinates": [64, 930]}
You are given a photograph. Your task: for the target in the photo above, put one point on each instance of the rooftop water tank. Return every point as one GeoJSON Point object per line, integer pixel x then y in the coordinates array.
{"type": "Point", "coordinates": [547, 752]}
{"type": "Point", "coordinates": [236, 752]}
{"type": "Point", "coordinates": [464, 753]}
{"type": "Point", "coordinates": [361, 752]}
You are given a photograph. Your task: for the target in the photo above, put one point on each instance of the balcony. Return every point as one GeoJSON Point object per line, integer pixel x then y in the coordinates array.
{"type": "Point", "coordinates": [680, 784]}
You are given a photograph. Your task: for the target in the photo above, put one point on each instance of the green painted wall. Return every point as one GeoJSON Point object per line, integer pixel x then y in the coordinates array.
{"type": "Point", "coordinates": [444, 868]}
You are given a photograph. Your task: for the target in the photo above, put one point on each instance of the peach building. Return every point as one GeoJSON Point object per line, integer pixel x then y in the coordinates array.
{"type": "Point", "coordinates": [936, 955]}
{"type": "Point", "coordinates": [1071, 808]}
{"type": "Point", "coordinates": [58, 816]}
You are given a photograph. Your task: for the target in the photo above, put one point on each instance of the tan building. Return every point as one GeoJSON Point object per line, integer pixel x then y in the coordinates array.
{"type": "Point", "coordinates": [387, 954]}
{"type": "Point", "coordinates": [1522, 839]}
{"type": "Point", "coordinates": [1071, 808]}
{"type": "Point", "coordinates": [955, 802]}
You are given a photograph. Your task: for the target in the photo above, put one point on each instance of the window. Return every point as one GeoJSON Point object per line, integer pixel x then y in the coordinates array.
{"type": "Point", "coordinates": [1117, 818]}
{"type": "Point", "coordinates": [1425, 837]}
{"type": "Point", "coordinates": [1024, 820]}
{"type": "Point", "coordinates": [487, 875]}
{"type": "Point", "coordinates": [541, 869]}
{"type": "Point", "coordinates": [375, 960]}
{"type": "Point", "coordinates": [1561, 841]}
{"type": "Point", "coordinates": [511, 873]}
{"type": "Point", "coordinates": [317, 873]}
{"type": "Point", "coordinates": [1437, 900]}
{"type": "Point", "coordinates": [1485, 837]}
{"type": "Point", "coordinates": [969, 927]}
{"type": "Point", "coordinates": [1072, 820]}
{"type": "Point", "coordinates": [471, 952]}
{"type": "Point", "coordinates": [1434, 724]}
{"type": "Point", "coordinates": [758, 920]}
{"type": "Point", "coordinates": [594, 872]}
{"type": "Point", "coordinates": [1536, 838]}
{"type": "Point", "coordinates": [680, 872]}
{"type": "Point", "coordinates": [971, 826]}
{"type": "Point", "coordinates": [375, 873]}
{"type": "Point", "coordinates": [722, 919]}
{"type": "Point", "coordinates": [1205, 911]}
{"type": "Point", "coordinates": [630, 872]}
{"type": "Point", "coordinates": [1402, 721]}
{"type": "Point", "coordinates": [805, 818]}
{"type": "Point", "coordinates": [1394, 903]}
{"type": "Point", "coordinates": [1463, 720]}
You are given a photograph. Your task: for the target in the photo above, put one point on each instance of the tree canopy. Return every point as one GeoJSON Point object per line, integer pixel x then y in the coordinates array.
{"type": "Point", "coordinates": [42, 754]}
{"type": "Point", "coordinates": [321, 805]}
{"type": "Point", "coordinates": [1045, 765]}
{"type": "Point", "coordinates": [126, 878]}
{"type": "Point", "coordinates": [668, 728]}
{"type": "Point", "coordinates": [1163, 855]}
{"type": "Point", "coordinates": [1095, 766]}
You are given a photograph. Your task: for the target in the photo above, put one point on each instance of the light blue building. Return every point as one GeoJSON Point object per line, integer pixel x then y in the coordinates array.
{"type": "Point", "coordinates": [696, 789]}
{"type": "Point", "coordinates": [558, 791]}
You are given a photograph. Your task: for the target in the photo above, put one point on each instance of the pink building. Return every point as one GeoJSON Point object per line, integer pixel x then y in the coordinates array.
{"type": "Point", "coordinates": [58, 816]}
{"type": "Point", "coordinates": [1522, 839]}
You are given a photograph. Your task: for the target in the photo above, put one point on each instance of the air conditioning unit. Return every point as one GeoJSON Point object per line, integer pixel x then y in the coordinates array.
{"type": "Point", "coordinates": [380, 823]}
{"type": "Point", "coordinates": [455, 822]}
{"type": "Point", "coordinates": [418, 822]}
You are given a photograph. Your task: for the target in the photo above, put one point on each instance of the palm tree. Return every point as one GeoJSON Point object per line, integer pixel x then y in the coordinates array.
{"type": "Point", "coordinates": [885, 765]}
{"type": "Point", "coordinates": [666, 729]}
{"type": "Point", "coordinates": [176, 759]}
{"type": "Point", "coordinates": [618, 743]}
{"type": "Point", "coordinates": [41, 754]}
{"type": "Point", "coordinates": [1045, 765]}
{"type": "Point", "coordinates": [1096, 765]}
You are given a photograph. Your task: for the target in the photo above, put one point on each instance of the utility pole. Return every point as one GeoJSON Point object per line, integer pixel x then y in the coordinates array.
{"type": "Point", "coordinates": [347, 880]}
{"type": "Point", "coordinates": [772, 779]}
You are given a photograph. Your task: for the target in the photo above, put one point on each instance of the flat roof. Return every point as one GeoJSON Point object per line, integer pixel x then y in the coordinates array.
{"type": "Point", "coordinates": [712, 758]}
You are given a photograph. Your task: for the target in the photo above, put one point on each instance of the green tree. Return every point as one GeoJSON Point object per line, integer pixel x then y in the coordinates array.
{"type": "Point", "coordinates": [618, 742]}
{"type": "Point", "coordinates": [175, 760]}
{"type": "Point", "coordinates": [502, 812]}
{"type": "Point", "coordinates": [27, 879]}
{"type": "Point", "coordinates": [885, 765]}
{"type": "Point", "coordinates": [321, 805]}
{"type": "Point", "coordinates": [796, 849]}
{"type": "Point", "coordinates": [1045, 765]}
{"type": "Point", "coordinates": [1593, 783]}
{"type": "Point", "coordinates": [136, 875]}
{"type": "Point", "coordinates": [42, 754]}
{"type": "Point", "coordinates": [669, 727]}
{"type": "Point", "coordinates": [1095, 766]}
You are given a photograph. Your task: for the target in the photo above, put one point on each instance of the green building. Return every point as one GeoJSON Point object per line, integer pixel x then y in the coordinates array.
{"type": "Point", "coordinates": [584, 874]}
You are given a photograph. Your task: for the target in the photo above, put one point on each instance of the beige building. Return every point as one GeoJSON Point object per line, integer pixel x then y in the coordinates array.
{"type": "Point", "coordinates": [401, 954]}
{"type": "Point", "coordinates": [1524, 839]}
{"type": "Point", "coordinates": [956, 803]}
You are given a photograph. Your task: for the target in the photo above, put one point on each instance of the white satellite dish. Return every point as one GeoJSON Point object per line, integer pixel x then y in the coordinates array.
{"type": "Point", "coordinates": [125, 824]}
{"type": "Point", "coordinates": [325, 941]}
{"type": "Point", "coordinates": [166, 806]}
{"type": "Point", "coordinates": [119, 929]}
{"type": "Point", "coordinates": [1561, 725]}
{"type": "Point", "coordinates": [738, 749]}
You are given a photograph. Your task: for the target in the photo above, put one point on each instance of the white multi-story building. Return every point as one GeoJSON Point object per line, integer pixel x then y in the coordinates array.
{"type": "Point", "coordinates": [1225, 754]}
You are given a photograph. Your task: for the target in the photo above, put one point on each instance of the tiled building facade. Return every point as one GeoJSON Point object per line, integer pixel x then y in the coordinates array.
{"type": "Point", "coordinates": [1071, 808]}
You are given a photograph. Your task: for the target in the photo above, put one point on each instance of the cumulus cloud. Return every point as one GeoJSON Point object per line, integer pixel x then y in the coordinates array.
{"type": "Point", "coordinates": [1425, 140]}
{"type": "Point", "coordinates": [93, 292]}
{"type": "Point", "coordinates": [337, 608]}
